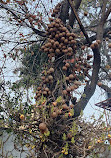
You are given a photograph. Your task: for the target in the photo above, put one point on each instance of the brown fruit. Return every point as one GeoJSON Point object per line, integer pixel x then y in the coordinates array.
{"type": "Point", "coordinates": [92, 46]}
{"type": "Point", "coordinates": [64, 92]}
{"type": "Point", "coordinates": [67, 65]}
{"type": "Point", "coordinates": [60, 35]}
{"type": "Point", "coordinates": [56, 36]}
{"type": "Point", "coordinates": [49, 92]}
{"type": "Point", "coordinates": [43, 77]}
{"type": "Point", "coordinates": [96, 45]}
{"type": "Point", "coordinates": [50, 77]}
{"type": "Point", "coordinates": [65, 107]}
{"type": "Point", "coordinates": [54, 115]}
{"type": "Point", "coordinates": [69, 49]}
{"type": "Point", "coordinates": [46, 89]}
{"type": "Point", "coordinates": [66, 41]}
{"type": "Point", "coordinates": [98, 41]}
{"type": "Point", "coordinates": [51, 50]}
{"type": "Point", "coordinates": [78, 83]}
{"type": "Point", "coordinates": [64, 29]}
{"type": "Point", "coordinates": [42, 126]}
{"type": "Point", "coordinates": [39, 88]}
{"type": "Point", "coordinates": [51, 70]}
{"type": "Point", "coordinates": [46, 80]}
{"type": "Point", "coordinates": [70, 38]}
{"type": "Point", "coordinates": [107, 39]}
{"type": "Point", "coordinates": [71, 106]}
{"type": "Point", "coordinates": [63, 101]}
{"type": "Point", "coordinates": [59, 111]}
{"type": "Point", "coordinates": [72, 88]}
{"type": "Point", "coordinates": [56, 43]}
{"type": "Point", "coordinates": [109, 45]}
{"type": "Point", "coordinates": [73, 35]}
{"type": "Point", "coordinates": [57, 51]}
{"type": "Point", "coordinates": [46, 50]}
{"type": "Point", "coordinates": [64, 68]}
{"type": "Point", "coordinates": [63, 33]}
{"type": "Point", "coordinates": [85, 13]}
{"type": "Point", "coordinates": [65, 51]}
{"type": "Point", "coordinates": [44, 92]}
{"type": "Point", "coordinates": [68, 34]}
{"type": "Point", "coordinates": [71, 77]}
{"type": "Point", "coordinates": [52, 41]}
{"type": "Point", "coordinates": [62, 38]}
{"type": "Point", "coordinates": [68, 89]}
{"type": "Point", "coordinates": [99, 84]}
{"type": "Point", "coordinates": [37, 92]}
{"type": "Point", "coordinates": [70, 54]}
{"type": "Point", "coordinates": [83, 47]}
{"type": "Point", "coordinates": [67, 78]}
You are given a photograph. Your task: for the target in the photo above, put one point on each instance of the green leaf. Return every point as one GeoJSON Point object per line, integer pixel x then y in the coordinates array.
{"type": "Point", "coordinates": [47, 133]}
{"type": "Point", "coordinates": [58, 82]}
{"type": "Point", "coordinates": [59, 99]}
{"type": "Point", "coordinates": [64, 137]}
{"type": "Point", "coordinates": [72, 140]}
{"type": "Point", "coordinates": [61, 155]}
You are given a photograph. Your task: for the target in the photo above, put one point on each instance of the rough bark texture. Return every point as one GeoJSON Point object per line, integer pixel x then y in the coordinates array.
{"type": "Point", "coordinates": [64, 14]}
{"type": "Point", "coordinates": [72, 17]}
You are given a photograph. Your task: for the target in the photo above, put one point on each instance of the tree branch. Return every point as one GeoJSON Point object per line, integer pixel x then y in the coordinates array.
{"type": "Point", "coordinates": [90, 88]}
{"type": "Point", "coordinates": [38, 32]}
{"type": "Point", "coordinates": [72, 16]}
{"type": "Point", "coordinates": [64, 11]}
{"type": "Point", "coordinates": [79, 22]}
{"type": "Point", "coordinates": [107, 89]}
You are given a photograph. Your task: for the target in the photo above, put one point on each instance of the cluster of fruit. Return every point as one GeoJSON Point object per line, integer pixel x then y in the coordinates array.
{"type": "Point", "coordinates": [60, 40]}
{"type": "Point", "coordinates": [62, 74]}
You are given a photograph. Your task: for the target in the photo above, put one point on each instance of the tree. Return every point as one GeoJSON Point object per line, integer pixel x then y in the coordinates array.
{"type": "Point", "coordinates": [75, 42]}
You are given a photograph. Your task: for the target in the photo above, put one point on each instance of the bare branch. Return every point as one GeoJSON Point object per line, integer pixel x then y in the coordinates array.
{"type": "Point", "coordinates": [72, 16]}
{"type": "Point", "coordinates": [79, 22]}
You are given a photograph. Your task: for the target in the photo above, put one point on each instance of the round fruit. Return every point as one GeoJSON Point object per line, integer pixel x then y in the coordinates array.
{"type": "Point", "coordinates": [67, 78]}
{"type": "Point", "coordinates": [99, 84]}
{"type": "Point", "coordinates": [42, 126]}
{"type": "Point", "coordinates": [46, 89]}
{"type": "Point", "coordinates": [83, 47]}
{"type": "Point", "coordinates": [109, 45]}
{"type": "Point", "coordinates": [85, 13]}
{"type": "Point", "coordinates": [64, 92]}
{"type": "Point", "coordinates": [96, 45]}
{"type": "Point", "coordinates": [69, 49]}
{"type": "Point", "coordinates": [57, 51]}
{"type": "Point", "coordinates": [64, 68]}
{"type": "Point", "coordinates": [54, 115]}
{"type": "Point", "coordinates": [51, 70]}
{"type": "Point", "coordinates": [71, 77]}
{"type": "Point", "coordinates": [92, 46]}
{"type": "Point", "coordinates": [71, 106]}
{"type": "Point", "coordinates": [50, 77]}
{"type": "Point", "coordinates": [65, 107]}
{"type": "Point", "coordinates": [22, 117]}
{"type": "Point", "coordinates": [67, 65]}
{"type": "Point", "coordinates": [70, 38]}
{"type": "Point", "coordinates": [68, 89]}
{"type": "Point", "coordinates": [98, 41]}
